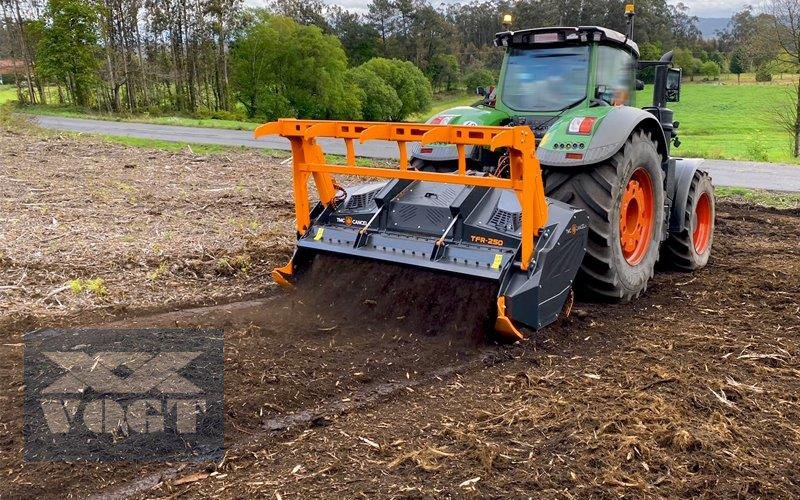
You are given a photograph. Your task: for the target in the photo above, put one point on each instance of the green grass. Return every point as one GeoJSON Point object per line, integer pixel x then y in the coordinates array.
{"type": "Point", "coordinates": [205, 123]}
{"type": "Point", "coordinates": [210, 149]}
{"type": "Point", "coordinates": [201, 149]}
{"type": "Point", "coordinates": [442, 102]}
{"type": "Point", "coordinates": [735, 122]}
{"type": "Point", "coordinates": [8, 93]}
{"type": "Point", "coordinates": [759, 197]}
{"type": "Point", "coordinates": [71, 112]}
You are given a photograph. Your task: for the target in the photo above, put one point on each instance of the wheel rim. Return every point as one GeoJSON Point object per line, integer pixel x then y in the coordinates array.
{"type": "Point", "coordinates": [636, 217]}
{"type": "Point", "coordinates": [701, 235]}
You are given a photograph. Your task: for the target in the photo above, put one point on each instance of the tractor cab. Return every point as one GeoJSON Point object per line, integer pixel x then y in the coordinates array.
{"type": "Point", "coordinates": [551, 70]}
{"type": "Point", "coordinates": [572, 86]}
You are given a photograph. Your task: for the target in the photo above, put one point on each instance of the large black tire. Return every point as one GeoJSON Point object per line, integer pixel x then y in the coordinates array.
{"type": "Point", "coordinates": [605, 273]}
{"type": "Point", "coordinates": [690, 249]}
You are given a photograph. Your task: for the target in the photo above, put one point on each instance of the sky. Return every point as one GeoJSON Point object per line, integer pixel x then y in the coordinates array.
{"type": "Point", "coordinates": [699, 8]}
{"type": "Point", "coordinates": [713, 8]}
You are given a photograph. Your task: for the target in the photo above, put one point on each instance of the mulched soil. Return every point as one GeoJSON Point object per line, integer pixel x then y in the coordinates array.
{"type": "Point", "coordinates": [157, 228]}
{"type": "Point", "coordinates": [692, 390]}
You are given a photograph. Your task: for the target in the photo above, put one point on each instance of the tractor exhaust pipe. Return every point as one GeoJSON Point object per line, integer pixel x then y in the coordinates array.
{"type": "Point", "coordinates": [662, 68]}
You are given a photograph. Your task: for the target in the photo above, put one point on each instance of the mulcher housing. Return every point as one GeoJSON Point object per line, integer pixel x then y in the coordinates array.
{"type": "Point", "coordinates": [488, 228]}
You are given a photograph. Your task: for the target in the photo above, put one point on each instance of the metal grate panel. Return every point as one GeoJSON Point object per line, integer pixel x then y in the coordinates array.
{"type": "Point", "coordinates": [361, 201]}
{"type": "Point", "coordinates": [505, 221]}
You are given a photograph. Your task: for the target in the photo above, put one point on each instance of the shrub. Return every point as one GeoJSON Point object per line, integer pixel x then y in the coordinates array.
{"type": "Point", "coordinates": [711, 70]}
{"type": "Point", "coordinates": [379, 100]}
{"type": "Point", "coordinates": [756, 150]}
{"type": "Point", "coordinates": [224, 114]}
{"type": "Point", "coordinates": [445, 71]}
{"type": "Point", "coordinates": [202, 113]}
{"type": "Point", "coordinates": [763, 74]}
{"type": "Point", "coordinates": [272, 106]}
{"type": "Point", "coordinates": [479, 78]}
{"type": "Point", "coordinates": [411, 85]}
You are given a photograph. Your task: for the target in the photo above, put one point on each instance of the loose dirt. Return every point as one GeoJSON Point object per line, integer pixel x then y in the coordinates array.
{"type": "Point", "coordinates": [341, 389]}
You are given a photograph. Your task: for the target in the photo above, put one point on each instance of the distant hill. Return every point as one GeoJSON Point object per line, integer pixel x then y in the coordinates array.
{"type": "Point", "coordinates": [710, 25]}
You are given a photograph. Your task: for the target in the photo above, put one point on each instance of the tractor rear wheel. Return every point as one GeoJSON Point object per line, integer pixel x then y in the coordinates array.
{"type": "Point", "coordinates": [690, 249]}
{"type": "Point", "coordinates": [624, 198]}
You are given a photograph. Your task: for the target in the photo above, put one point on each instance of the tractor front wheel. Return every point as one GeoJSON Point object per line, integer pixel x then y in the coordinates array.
{"type": "Point", "coordinates": [624, 198]}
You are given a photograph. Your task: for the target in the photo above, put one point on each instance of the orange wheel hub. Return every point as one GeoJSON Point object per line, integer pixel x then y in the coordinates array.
{"type": "Point", "coordinates": [636, 217]}
{"type": "Point", "coordinates": [701, 233]}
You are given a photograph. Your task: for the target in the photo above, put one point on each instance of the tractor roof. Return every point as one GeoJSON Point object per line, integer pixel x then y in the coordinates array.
{"type": "Point", "coordinates": [580, 34]}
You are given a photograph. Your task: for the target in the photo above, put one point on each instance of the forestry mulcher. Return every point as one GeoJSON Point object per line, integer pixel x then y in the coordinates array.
{"type": "Point", "coordinates": [554, 181]}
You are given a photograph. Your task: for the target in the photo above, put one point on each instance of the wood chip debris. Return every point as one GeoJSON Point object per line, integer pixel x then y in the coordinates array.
{"type": "Point", "coordinates": [191, 478]}
{"type": "Point", "coordinates": [370, 442]}
{"type": "Point", "coordinates": [469, 482]}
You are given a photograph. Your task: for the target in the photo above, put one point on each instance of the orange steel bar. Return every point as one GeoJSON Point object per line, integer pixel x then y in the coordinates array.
{"type": "Point", "coordinates": [351, 152]}
{"type": "Point", "coordinates": [403, 155]}
{"type": "Point", "coordinates": [308, 159]}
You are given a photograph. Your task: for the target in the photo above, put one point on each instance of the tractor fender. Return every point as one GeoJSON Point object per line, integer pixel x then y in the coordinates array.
{"type": "Point", "coordinates": [684, 173]}
{"type": "Point", "coordinates": [610, 136]}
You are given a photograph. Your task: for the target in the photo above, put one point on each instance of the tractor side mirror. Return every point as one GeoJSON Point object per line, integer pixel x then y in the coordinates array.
{"type": "Point", "coordinates": [674, 77]}
{"type": "Point", "coordinates": [639, 85]}
{"type": "Point", "coordinates": [481, 91]}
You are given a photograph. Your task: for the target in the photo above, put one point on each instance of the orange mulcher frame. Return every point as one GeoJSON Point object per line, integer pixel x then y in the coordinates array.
{"type": "Point", "coordinates": [308, 159]}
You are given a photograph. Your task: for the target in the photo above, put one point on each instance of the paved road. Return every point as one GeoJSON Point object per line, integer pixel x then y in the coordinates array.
{"type": "Point", "coordinates": [770, 176]}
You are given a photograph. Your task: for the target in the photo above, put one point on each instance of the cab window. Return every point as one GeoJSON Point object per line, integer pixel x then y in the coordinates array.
{"type": "Point", "coordinates": [545, 79]}
{"type": "Point", "coordinates": [615, 75]}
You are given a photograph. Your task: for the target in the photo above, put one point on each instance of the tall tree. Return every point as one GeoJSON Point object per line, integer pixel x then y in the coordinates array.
{"type": "Point", "coordinates": [738, 65]}
{"type": "Point", "coordinates": [786, 29]}
{"type": "Point", "coordinates": [382, 16]}
{"type": "Point", "coordinates": [753, 36]}
{"type": "Point", "coordinates": [68, 50]}
{"type": "Point", "coordinates": [278, 64]}
{"type": "Point", "coordinates": [359, 39]}
{"type": "Point", "coordinates": [306, 12]}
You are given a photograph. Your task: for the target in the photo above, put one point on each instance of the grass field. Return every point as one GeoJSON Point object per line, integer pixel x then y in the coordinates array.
{"type": "Point", "coordinates": [736, 122]}
{"type": "Point", "coordinates": [7, 93]}
{"type": "Point", "coordinates": [442, 102]}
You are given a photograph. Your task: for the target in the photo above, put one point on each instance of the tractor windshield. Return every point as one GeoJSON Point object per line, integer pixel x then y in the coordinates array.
{"type": "Point", "coordinates": [545, 79]}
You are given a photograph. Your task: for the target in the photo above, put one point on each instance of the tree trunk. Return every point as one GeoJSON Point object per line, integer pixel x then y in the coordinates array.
{"type": "Point", "coordinates": [142, 68]}
{"type": "Point", "coordinates": [26, 56]}
{"type": "Point", "coordinates": [797, 121]}
{"type": "Point", "coordinates": [222, 68]}
{"type": "Point", "coordinates": [112, 74]}
{"type": "Point", "coordinates": [14, 57]}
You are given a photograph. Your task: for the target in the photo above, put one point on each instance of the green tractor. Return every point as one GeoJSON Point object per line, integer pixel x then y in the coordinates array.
{"type": "Point", "coordinates": [576, 89]}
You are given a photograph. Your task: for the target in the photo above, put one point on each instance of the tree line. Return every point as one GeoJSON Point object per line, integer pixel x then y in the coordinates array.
{"type": "Point", "coordinates": [219, 58]}
{"type": "Point", "coordinates": [753, 42]}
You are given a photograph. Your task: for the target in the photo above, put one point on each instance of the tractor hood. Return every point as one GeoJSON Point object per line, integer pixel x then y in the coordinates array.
{"type": "Point", "coordinates": [461, 115]}
{"type": "Point", "coordinates": [468, 115]}
{"type": "Point", "coordinates": [580, 136]}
